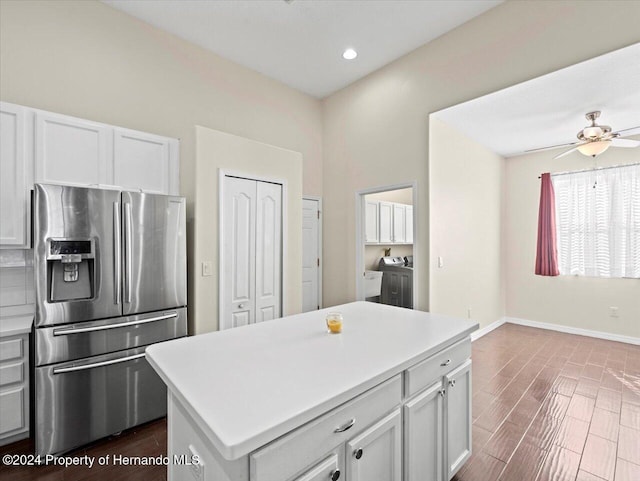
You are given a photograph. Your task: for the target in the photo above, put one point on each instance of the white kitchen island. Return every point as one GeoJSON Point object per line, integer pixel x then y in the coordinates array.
{"type": "Point", "coordinates": [388, 399]}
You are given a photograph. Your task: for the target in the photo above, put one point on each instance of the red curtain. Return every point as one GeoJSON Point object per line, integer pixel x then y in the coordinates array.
{"type": "Point", "coordinates": [547, 253]}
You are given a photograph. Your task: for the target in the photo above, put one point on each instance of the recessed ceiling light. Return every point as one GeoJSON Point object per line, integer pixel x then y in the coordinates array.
{"type": "Point", "coordinates": [349, 54]}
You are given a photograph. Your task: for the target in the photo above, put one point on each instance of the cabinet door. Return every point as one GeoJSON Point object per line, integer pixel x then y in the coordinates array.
{"type": "Point", "coordinates": [423, 435]}
{"type": "Point", "coordinates": [408, 218]}
{"type": "Point", "coordinates": [14, 178]}
{"type": "Point", "coordinates": [325, 471]}
{"type": "Point", "coordinates": [145, 161]}
{"type": "Point", "coordinates": [72, 151]}
{"type": "Point", "coordinates": [371, 229]}
{"type": "Point", "coordinates": [398, 223]}
{"type": "Point", "coordinates": [12, 411]}
{"type": "Point", "coordinates": [376, 454]}
{"type": "Point", "coordinates": [458, 417]}
{"type": "Point", "coordinates": [386, 222]}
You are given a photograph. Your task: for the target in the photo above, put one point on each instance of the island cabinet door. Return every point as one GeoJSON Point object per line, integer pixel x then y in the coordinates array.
{"type": "Point", "coordinates": [324, 471]}
{"type": "Point", "coordinates": [458, 417]}
{"type": "Point", "coordinates": [423, 418]}
{"type": "Point", "coordinates": [376, 454]}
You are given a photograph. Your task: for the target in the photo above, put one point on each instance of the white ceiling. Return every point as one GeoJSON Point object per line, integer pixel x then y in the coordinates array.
{"type": "Point", "coordinates": [300, 42]}
{"type": "Point", "coordinates": [549, 110]}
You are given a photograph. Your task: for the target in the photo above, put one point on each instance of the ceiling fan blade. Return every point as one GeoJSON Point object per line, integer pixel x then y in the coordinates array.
{"type": "Point", "coordinates": [540, 149]}
{"type": "Point", "coordinates": [625, 143]}
{"type": "Point", "coordinates": [566, 152]}
{"type": "Point", "coordinates": [631, 131]}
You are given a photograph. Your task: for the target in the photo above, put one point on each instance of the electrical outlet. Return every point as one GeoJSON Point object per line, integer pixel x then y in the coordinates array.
{"type": "Point", "coordinates": [207, 269]}
{"type": "Point", "coordinates": [613, 312]}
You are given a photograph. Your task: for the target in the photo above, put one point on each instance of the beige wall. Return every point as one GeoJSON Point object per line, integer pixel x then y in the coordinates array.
{"type": "Point", "coordinates": [86, 59]}
{"type": "Point", "coordinates": [581, 302]}
{"type": "Point", "coordinates": [372, 254]}
{"type": "Point", "coordinates": [376, 130]}
{"type": "Point", "coordinates": [466, 203]}
{"type": "Point", "coordinates": [218, 150]}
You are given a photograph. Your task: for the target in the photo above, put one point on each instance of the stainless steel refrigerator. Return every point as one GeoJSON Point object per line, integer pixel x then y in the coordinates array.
{"type": "Point", "coordinates": [110, 271]}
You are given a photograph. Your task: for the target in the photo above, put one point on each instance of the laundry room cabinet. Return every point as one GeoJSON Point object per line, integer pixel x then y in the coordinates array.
{"type": "Point", "coordinates": [387, 223]}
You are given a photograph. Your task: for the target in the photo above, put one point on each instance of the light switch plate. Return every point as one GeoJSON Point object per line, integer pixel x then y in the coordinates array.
{"type": "Point", "coordinates": [207, 269]}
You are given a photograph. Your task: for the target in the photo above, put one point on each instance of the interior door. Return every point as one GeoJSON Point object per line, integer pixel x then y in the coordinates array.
{"type": "Point", "coordinates": [268, 251]}
{"type": "Point", "coordinates": [154, 270]}
{"type": "Point", "coordinates": [310, 255]}
{"type": "Point", "coordinates": [239, 251]}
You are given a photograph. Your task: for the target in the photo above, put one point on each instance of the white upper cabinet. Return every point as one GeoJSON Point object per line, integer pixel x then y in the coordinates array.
{"type": "Point", "coordinates": [145, 161]}
{"type": "Point", "coordinates": [386, 223]}
{"type": "Point", "coordinates": [408, 219]}
{"type": "Point", "coordinates": [399, 223]}
{"type": "Point", "coordinates": [371, 232]}
{"type": "Point", "coordinates": [15, 178]}
{"type": "Point", "coordinates": [71, 151]}
{"type": "Point", "coordinates": [45, 147]}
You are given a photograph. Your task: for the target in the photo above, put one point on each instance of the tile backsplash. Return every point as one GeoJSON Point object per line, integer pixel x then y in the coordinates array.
{"type": "Point", "coordinates": [17, 292]}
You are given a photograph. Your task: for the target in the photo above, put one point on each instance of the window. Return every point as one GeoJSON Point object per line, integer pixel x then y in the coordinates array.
{"type": "Point", "coordinates": [598, 222]}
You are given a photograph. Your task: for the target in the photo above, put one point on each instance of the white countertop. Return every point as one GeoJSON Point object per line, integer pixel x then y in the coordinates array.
{"type": "Point", "coordinates": [15, 325]}
{"type": "Point", "coordinates": [246, 386]}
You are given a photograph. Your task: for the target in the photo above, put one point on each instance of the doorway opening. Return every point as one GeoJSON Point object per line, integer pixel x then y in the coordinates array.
{"type": "Point", "coordinates": [387, 244]}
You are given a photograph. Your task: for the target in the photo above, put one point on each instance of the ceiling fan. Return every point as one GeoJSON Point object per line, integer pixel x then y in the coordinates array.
{"type": "Point", "coordinates": [595, 139]}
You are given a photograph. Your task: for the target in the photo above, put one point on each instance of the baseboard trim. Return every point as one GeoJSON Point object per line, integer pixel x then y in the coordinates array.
{"type": "Point", "coordinates": [567, 329]}
{"type": "Point", "coordinates": [487, 329]}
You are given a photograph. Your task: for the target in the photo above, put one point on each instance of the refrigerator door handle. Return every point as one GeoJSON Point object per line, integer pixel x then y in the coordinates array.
{"type": "Point", "coordinates": [127, 252]}
{"type": "Point", "coordinates": [117, 257]}
{"type": "Point", "coordinates": [62, 370]}
{"type": "Point", "coordinates": [69, 331]}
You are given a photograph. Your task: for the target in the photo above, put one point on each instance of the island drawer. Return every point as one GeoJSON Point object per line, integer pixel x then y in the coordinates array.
{"type": "Point", "coordinates": [423, 374]}
{"type": "Point", "coordinates": [289, 455]}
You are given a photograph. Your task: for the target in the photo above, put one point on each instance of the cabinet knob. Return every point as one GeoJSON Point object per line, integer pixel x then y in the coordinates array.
{"type": "Point", "coordinates": [442, 392]}
{"type": "Point", "coordinates": [446, 363]}
{"type": "Point", "coordinates": [358, 453]}
{"type": "Point", "coordinates": [335, 475]}
{"type": "Point", "coordinates": [452, 382]}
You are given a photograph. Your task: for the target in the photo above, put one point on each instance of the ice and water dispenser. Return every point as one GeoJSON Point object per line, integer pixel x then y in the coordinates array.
{"type": "Point", "coordinates": [70, 269]}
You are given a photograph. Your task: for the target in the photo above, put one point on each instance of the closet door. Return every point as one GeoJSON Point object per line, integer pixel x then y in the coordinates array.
{"type": "Point", "coordinates": [239, 251]}
{"type": "Point", "coordinates": [268, 251]}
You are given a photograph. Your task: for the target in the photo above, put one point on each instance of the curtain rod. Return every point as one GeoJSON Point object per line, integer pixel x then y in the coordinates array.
{"type": "Point", "coordinates": [598, 168]}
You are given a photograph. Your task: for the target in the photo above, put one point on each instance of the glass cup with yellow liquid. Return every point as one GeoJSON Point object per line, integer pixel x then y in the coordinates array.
{"type": "Point", "coordinates": [334, 322]}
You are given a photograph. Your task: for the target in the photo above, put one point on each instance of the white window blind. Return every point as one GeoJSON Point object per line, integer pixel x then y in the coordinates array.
{"type": "Point", "coordinates": [598, 222]}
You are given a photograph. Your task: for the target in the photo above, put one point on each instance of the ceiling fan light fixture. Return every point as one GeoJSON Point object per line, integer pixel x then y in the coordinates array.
{"type": "Point", "coordinates": [591, 149]}
{"type": "Point", "coordinates": [592, 132]}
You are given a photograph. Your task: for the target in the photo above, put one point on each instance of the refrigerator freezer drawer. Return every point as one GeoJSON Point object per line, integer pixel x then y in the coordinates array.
{"type": "Point", "coordinates": [92, 338]}
{"type": "Point", "coordinates": [82, 401]}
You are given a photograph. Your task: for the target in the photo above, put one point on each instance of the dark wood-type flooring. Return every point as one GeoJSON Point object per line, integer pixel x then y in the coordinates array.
{"type": "Point", "coordinates": [546, 406]}
{"type": "Point", "coordinates": [553, 406]}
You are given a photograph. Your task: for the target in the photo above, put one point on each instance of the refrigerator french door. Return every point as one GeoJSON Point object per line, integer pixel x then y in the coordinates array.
{"type": "Point", "coordinates": [110, 279]}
